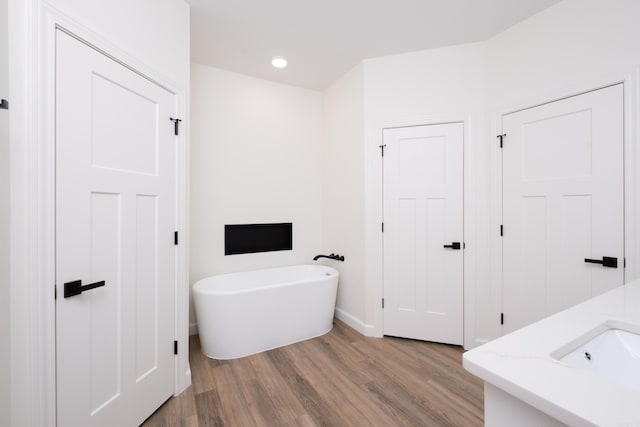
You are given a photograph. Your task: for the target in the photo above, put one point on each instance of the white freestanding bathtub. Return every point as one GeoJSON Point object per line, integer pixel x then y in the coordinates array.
{"type": "Point", "coordinates": [240, 314]}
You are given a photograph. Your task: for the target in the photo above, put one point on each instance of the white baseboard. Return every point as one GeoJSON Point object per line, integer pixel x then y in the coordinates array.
{"type": "Point", "coordinates": [352, 321]}
{"type": "Point", "coordinates": [373, 332]}
{"type": "Point", "coordinates": [188, 381]}
{"type": "Point", "coordinates": [193, 329]}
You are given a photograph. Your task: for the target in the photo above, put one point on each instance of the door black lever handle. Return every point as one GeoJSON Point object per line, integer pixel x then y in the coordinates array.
{"type": "Point", "coordinates": [453, 245]}
{"type": "Point", "coordinates": [606, 261]}
{"type": "Point", "coordinates": [75, 288]}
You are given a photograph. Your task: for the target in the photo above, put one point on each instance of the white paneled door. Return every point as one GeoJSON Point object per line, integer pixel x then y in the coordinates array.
{"type": "Point", "coordinates": [115, 216]}
{"type": "Point", "coordinates": [423, 232]}
{"type": "Point", "coordinates": [563, 199]}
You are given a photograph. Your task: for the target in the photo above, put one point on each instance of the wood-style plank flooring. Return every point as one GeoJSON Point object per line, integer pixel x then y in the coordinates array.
{"type": "Point", "coordinates": [339, 379]}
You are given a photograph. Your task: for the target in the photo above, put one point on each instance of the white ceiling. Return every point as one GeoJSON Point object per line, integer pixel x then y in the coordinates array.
{"type": "Point", "coordinates": [323, 39]}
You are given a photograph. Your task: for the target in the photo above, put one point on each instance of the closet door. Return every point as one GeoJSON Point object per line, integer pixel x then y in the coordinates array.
{"type": "Point", "coordinates": [563, 201]}
{"type": "Point", "coordinates": [423, 232]}
{"type": "Point", "coordinates": [115, 217]}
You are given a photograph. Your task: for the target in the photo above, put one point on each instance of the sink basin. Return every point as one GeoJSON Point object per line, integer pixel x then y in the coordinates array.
{"type": "Point", "coordinates": [613, 353]}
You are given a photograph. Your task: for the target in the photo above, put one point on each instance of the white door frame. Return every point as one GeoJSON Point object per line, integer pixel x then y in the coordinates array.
{"type": "Point", "coordinates": [631, 84]}
{"type": "Point", "coordinates": [375, 206]}
{"type": "Point", "coordinates": [40, 223]}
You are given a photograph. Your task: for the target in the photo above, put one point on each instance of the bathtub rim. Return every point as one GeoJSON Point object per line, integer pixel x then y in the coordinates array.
{"type": "Point", "coordinates": [200, 288]}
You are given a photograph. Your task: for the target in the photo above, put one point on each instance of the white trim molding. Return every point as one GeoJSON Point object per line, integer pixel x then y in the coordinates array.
{"type": "Point", "coordinates": [353, 322]}
{"type": "Point", "coordinates": [632, 175]}
{"type": "Point", "coordinates": [32, 375]}
{"type": "Point", "coordinates": [193, 329]}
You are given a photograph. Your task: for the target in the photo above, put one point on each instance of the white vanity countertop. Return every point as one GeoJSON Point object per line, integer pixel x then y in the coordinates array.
{"type": "Point", "coordinates": [520, 363]}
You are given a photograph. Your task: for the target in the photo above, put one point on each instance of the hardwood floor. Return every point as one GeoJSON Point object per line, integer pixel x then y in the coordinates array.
{"type": "Point", "coordinates": [339, 379]}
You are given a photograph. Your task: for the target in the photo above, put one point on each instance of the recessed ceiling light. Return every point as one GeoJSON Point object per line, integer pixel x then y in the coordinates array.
{"type": "Point", "coordinates": [279, 62]}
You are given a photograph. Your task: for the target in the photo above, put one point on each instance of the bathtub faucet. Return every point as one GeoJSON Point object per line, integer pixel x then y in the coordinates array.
{"type": "Point", "coordinates": [332, 256]}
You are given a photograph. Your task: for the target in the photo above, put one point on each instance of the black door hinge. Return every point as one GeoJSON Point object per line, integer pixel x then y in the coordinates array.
{"type": "Point", "coordinates": [501, 230]}
{"type": "Point", "coordinates": [383, 227]}
{"type": "Point", "coordinates": [382, 302]}
{"type": "Point", "coordinates": [501, 137]}
{"type": "Point", "coordinates": [175, 347]}
{"type": "Point", "coordinates": [55, 292]}
{"type": "Point", "coordinates": [382, 147]}
{"type": "Point", "coordinates": [502, 318]}
{"type": "Point", "coordinates": [175, 238]}
{"type": "Point", "coordinates": [176, 123]}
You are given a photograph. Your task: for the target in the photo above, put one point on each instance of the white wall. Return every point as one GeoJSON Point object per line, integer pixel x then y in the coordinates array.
{"type": "Point", "coordinates": [256, 151]}
{"type": "Point", "coordinates": [562, 49]}
{"type": "Point", "coordinates": [4, 217]}
{"type": "Point", "coordinates": [426, 87]}
{"type": "Point", "coordinates": [154, 33]}
{"type": "Point", "coordinates": [343, 191]}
